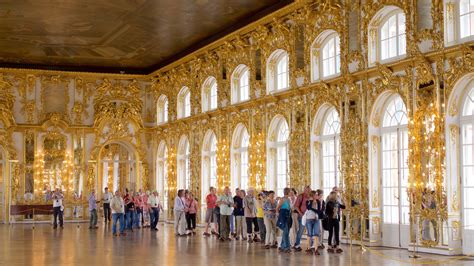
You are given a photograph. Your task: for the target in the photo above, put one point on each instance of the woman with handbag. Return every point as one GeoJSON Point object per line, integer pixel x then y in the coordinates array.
{"type": "Point", "coordinates": [313, 214]}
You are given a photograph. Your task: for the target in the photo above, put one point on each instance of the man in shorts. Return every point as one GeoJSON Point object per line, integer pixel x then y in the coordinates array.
{"type": "Point", "coordinates": [211, 201]}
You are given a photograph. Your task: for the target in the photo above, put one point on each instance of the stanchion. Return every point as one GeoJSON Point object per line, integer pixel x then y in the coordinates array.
{"type": "Point", "coordinates": [34, 219]}
{"type": "Point", "coordinates": [414, 254]}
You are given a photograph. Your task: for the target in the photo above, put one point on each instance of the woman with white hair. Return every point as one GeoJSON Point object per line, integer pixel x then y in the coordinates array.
{"type": "Point", "coordinates": [250, 213]}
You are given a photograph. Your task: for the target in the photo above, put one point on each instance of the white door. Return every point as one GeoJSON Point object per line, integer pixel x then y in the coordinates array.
{"type": "Point", "coordinates": [468, 186]}
{"type": "Point", "coordinates": [395, 228]}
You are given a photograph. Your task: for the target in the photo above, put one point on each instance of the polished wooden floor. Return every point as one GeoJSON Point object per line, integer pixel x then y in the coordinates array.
{"type": "Point", "coordinates": [20, 244]}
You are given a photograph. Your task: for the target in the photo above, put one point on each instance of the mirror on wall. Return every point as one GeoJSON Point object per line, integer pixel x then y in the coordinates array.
{"type": "Point", "coordinates": [29, 166]}
{"type": "Point", "coordinates": [78, 174]}
{"type": "Point", "coordinates": [54, 149]}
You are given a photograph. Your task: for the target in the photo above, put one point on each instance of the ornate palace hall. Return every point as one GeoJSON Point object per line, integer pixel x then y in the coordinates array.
{"type": "Point", "coordinates": [338, 128]}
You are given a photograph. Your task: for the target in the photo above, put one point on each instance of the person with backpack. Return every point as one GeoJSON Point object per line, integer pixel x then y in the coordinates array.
{"type": "Point", "coordinates": [333, 209]}
{"type": "Point", "coordinates": [284, 221]}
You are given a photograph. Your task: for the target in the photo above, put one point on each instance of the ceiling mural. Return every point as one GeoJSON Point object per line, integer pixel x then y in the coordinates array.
{"type": "Point", "coordinates": [134, 36]}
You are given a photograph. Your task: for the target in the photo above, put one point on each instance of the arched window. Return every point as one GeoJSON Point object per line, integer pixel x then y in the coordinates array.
{"type": "Point", "coordinates": [277, 71]}
{"type": "Point", "coordinates": [240, 84]}
{"type": "Point", "coordinates": [277, 154]}
{"type": "Point", "coordinates": [240, 157]}
{"type": "Point", "coordinates": [325, 55]}
{"type": "Point", "coordinates": [331, 151]}
{"type": "Point", "coordinates": [184, 171]}
{"type": "Point", "coordinates": [325, 167]}
{"type": "Point", "coordinates": [162, 173]}
{"type": "Point", "coordinates": [467, 155]}
{"type": "Point", "coordinates": [209, 94]}
{"type": "Point", "coordinates": [209, 162]}
{"type": "Point", "coordinates": [387, 37]}
{"type": "Point", "coordinates": [184, 103]}
{"type": "Point", "coordinates": [162, 109]}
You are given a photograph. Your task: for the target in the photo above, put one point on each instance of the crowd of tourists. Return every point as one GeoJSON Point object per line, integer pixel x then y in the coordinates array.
{"type": "Point", "coordinates": [256, 217]}
{"type": "Point", "coordinates": [259, 217]}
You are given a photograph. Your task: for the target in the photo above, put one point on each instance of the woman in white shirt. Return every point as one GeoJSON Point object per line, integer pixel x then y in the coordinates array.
{"type": "Point", "coordinates": [179, 214]}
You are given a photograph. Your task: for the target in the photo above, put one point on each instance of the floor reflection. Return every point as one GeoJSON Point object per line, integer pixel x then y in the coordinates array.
{"type": "Point", "coordinates": [76, 244]}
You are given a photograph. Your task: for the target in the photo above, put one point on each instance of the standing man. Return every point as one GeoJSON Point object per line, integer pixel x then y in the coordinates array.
{"type": "Point", "coordinates": [211, 217]}
{"type": "Point", "coordinates": [58, 208]}
{"type": "Point", "coordinates": [154, 202]}
{"type": "Point", "coordinates": [129, 210]}
{"type": "Point", "coordinates": [225, 205]}
{"type": "Point", "coordinates": [118, 209]}
{"type": "Point", "coordinates": [300, 207]}
{"type": "Point", "coordinates": [93, 210]}
{"type": "Point", "coordinates": [239, 215]}
{"type": "Point", "coordinates": [106, 204]}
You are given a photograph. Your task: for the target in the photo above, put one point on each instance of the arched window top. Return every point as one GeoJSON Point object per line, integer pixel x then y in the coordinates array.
{"type": "Point", "coordinates": [387, 35]}
{"type": "Point", "coordinates": [468, 108]}
{"type": "Point", "coordinates": [332, 124]}
{"type": "Point", "coordinates": [278, 71]}
{"type": "Point", "coordinates": [209, 94]}
{"type": "Point", "coordinates": [210, 142]}
{"type": "Point", "coordinates": [162, 109]}
{"type": "Point", "coordinates": [395, 113]}
{"type": "Point", "coordinates": [240, 83]}
{"type": "Point", "coordinates": [279, 130]}
{"type": "Point", "coordinates": [162, 150]}
{"type": "Point", "coordinates": [240, 138]}
{"type": "Point", "coordinates": [184, 102]}
{"type": "Point", "coordinates": [325, 55]}
{"type": "Point", "coordinates": [183, 146]}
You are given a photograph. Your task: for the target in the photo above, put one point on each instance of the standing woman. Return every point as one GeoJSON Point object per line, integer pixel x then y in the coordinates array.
{"type": "Point", "coordinates": [250, 213]}
{"type": "Point", "coordinates": [269, 208]}
{"type": "Point", "coordinates": [284, 221]}
{"type": "Point", "coordinates": [294, 216]}
{"type": "Point", "coordinates": [333, 206]}
{"type": "Point", "coordinates": [191, 207]}
{"type": "Point", "coordinates": [260, 214]}
{"type": "Point", "coordinates": [313, 214]}
{"type": "Point", "coordinates": [179, 216]}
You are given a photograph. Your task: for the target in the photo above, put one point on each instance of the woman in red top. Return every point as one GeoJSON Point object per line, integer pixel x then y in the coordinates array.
{"type": "Point", "coordinates": [191, 210]}
{"type": "Point", "coordinates": [211, 218]}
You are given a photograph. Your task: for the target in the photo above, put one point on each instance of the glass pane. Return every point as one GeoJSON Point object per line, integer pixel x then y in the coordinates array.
{"type": "Point", "coordinates": [402, 46]}
{"type": "Point", "coordinates": [467, 151]}
{"type": "Point", "coordinates": [465, 26]}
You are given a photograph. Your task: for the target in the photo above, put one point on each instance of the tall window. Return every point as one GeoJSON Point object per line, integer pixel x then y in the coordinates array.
{"type": "Point", "coordinates": [331, 56]}
{"type": "Point", "coordinates": [240, 157]}
{"type": "Point", "coordinates": [278, 154]}
{"type": "Point", "coordinates": [467, 140]}
{"type": "Point", "coordinates": [240, 84]}
{"type": "Point", "coordinates": [162, 109]}
{"type": "Point", "coordinates": [184, 103]}
{"type": "Point", "coordinates": [209, 94]}
{"type": "Point", "coordinates": [277, 71]}
{"type": "Point", "coordinates": [184, 172]}
{"type": "Point", "coordinates": [393, 37]}
{"type": "Point", "coordinates": [162, 173]}
{"type": "Point", "coordinates": [394, 163]}
{"type": "Point", "coordinates": [330, 151]}
{"type": "Point", "coordinates": [466, 18]}
{"type": "Point", "coordinates": [209, 161]}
